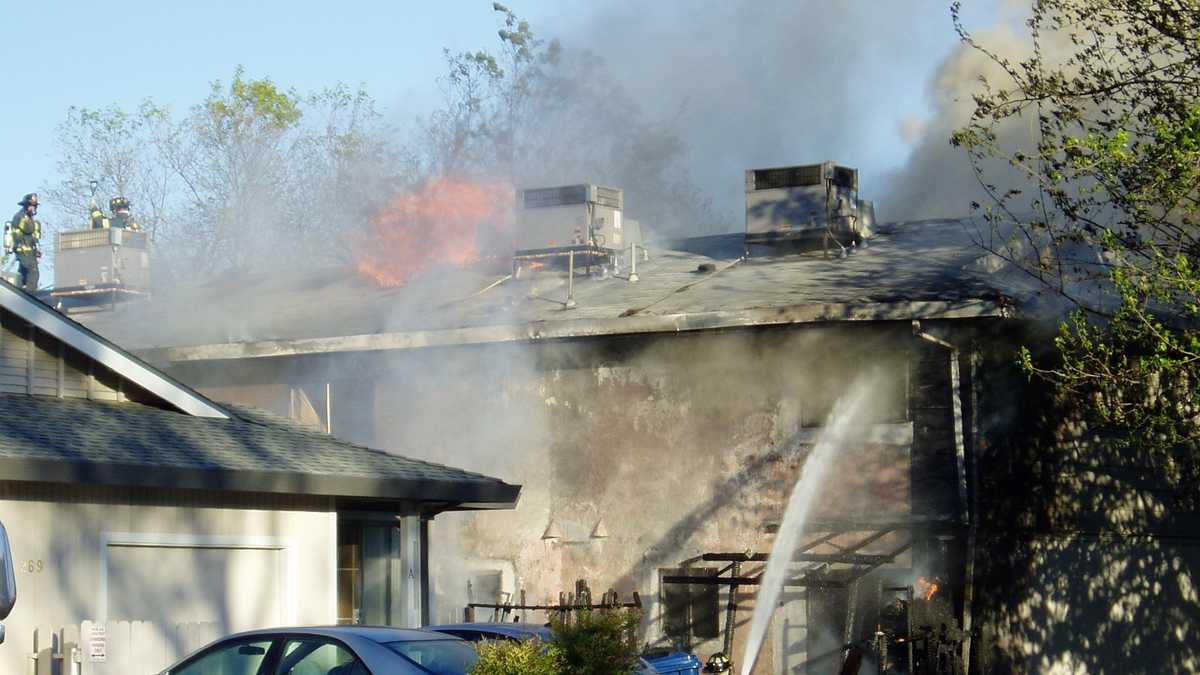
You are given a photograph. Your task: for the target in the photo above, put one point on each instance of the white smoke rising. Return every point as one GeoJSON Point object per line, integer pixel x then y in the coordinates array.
{"type": "Point", "coordinates": [937, 180]}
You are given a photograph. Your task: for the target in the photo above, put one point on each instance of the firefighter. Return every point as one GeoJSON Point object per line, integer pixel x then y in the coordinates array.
{"type": "Point", "coordinates": [120, 214]}
{"type": "Point", "coordinates": [26, 237]}
{"type": "Point", "coordinates": [718, 663]}
{"type": "Point", "coordinates": [99, 220]}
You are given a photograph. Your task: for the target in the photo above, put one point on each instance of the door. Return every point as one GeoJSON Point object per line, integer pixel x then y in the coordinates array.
{"type": "Point", "coordinates": [379, 573]}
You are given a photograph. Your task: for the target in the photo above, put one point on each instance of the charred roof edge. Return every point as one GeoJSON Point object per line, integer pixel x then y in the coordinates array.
{"type": "Point", "coordinates": [560, 329]}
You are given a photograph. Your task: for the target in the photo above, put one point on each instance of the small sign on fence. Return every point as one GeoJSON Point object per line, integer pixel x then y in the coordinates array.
{"type": "Point", "coordinates": [97, 641]}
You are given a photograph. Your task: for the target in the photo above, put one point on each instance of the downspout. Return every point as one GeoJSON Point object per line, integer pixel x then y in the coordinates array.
{"type": "Point", "coordinates": [972, 529]}
{"type": "Point", "coordinates": [967, 515]}
{"type": "Point", "coordinates": [956, 411]}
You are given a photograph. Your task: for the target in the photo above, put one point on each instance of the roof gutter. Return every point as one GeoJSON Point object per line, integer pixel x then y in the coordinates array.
{"type": "Point", "coordinates": [641, 323]}
{"type": "Point", "coordinates": [466, 494]}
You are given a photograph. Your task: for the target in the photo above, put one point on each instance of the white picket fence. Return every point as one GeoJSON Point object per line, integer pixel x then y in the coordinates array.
{"type": "Point", "coordinates": [115, 647]}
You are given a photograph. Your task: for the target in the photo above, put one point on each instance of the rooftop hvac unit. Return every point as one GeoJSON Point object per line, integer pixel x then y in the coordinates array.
{"type": "Point", "coordinates": [572, 215]}
{"type": "Point", "coordinates": [101, 264]}
{"type": "Point", "coordinates": [809, 203]}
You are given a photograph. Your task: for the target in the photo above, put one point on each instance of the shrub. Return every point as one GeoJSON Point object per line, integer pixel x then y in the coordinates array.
{"type": "Point", "coordinates": [600, 642]}
{"type": "Point", "coordinates": [530, 657]}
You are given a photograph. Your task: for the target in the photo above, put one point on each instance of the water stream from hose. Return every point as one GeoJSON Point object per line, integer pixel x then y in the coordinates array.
{"type": "Point", "coordinates": [841, 428]}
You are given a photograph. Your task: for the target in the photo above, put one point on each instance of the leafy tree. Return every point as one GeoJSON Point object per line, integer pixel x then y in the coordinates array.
{"type": "Point", "coordinates": [232, 155]}
{"type": "Point", "coordinates": [117, 150]}
{"type": "Point", "coordinates": [1108, 214]}
{"type": "Point", "coordinates": [535, 113]}
{"type": "Point", "coordinates": [251, 177]}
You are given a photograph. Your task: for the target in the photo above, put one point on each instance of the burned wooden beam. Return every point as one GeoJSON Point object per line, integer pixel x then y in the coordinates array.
{"type": "Point", "coordinates": [751, 581]}
{"type": "Point", "coordinates": [847, 558]}
{"type": "Point", "coordinates": [846, 526]}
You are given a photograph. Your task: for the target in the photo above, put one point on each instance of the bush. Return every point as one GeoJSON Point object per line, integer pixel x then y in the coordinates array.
{"type": "Point", "coordinates": [505, 657]}
{"type": "Point", "coordinates": [602, 642]}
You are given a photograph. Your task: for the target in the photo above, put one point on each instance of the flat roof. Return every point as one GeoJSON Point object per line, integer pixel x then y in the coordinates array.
{"type": "Point", "coordinates": [917, 270]}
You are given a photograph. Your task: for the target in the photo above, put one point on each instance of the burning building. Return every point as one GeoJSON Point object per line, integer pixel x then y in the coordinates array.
{"type": "Point", "coordinates": [658, 425]}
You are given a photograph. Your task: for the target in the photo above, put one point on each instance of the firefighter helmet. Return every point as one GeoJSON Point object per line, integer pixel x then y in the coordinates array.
{"type": "Point", "coordinates": [30, 199]}
{"type": "Point", "coordinates": [718, 663]}
{"type": "Point", "coordinates": [118, 203]}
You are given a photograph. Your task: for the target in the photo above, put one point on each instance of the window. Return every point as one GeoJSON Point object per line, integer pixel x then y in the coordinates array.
{"type": "Point", "coordinates": [690, 610]}
{"type": "Point", "coordinates": [314, 656]}
{"type": "Point", "coordinates": [240, 658]}
{"type": "Point", "coordinates": [349, 573]}
{"type": "Point", "coordinates": [440, 657]}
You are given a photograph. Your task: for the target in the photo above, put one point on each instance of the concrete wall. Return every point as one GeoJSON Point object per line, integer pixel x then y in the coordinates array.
{"type": "Point", "coordinates": [1085, 558]}
{"type": "Point", "coordinates": [678, 446]}
{"type": "Point", "coordinates": [166, 557]}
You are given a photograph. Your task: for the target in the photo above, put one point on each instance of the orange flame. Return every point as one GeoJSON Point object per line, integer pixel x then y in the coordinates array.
{"type": "Point", "coordinates": [441, 224]}
{"type": "Point", "coordinates": [927, 588]}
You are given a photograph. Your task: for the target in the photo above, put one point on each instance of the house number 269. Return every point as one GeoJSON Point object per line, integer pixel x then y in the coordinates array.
{"type": "Point", "coordinates": [33, 566]}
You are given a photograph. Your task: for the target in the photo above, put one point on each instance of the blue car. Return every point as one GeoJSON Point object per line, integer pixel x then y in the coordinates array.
{"type": "Point", "coordinates": [476, 632]}
{"type": "Point", "coordinates": [331, 650]}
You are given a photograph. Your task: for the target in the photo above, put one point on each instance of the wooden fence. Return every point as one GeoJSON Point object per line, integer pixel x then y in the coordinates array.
{"type": "Point", "coordinates": [114, 647]}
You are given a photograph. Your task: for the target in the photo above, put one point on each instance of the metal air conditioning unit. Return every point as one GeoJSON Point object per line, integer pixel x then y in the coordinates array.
{"type": "Point", "coordinates": [571, 215]}
{"type": "Point", "coordinates": [100, 265]}
{"type": "Point", "coordinates": [583, 222]}
{"type": "Point", "coordinates": [812, 203]}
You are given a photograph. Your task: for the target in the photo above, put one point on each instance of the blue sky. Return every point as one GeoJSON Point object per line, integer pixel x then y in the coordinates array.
{"type": "Point", "coordinates": [59, 53]}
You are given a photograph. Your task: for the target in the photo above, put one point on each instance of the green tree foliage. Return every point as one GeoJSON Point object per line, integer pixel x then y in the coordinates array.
{"type": "Point", "coordinates": [232, 155]}
{"type": "Point", "coordinates": [534, 113]}
{"type": "Point", "coordinates": [116, 149]}
{"type": "Point", "coordinates": [509, 657]}
{"type": "Point", "coordinates": [249, 178]}
{"type": "Point", "coordinates": [1107, 214]}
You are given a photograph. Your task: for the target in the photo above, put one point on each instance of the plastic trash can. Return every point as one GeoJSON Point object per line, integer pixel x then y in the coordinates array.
{"type": "Point", "coordinates": [676, 663]}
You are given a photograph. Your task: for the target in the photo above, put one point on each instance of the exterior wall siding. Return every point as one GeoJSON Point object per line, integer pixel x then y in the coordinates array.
{"type": "Point", "coordinates": [69, 543]}
{"type": "Point", "coordinates": [34, 363]}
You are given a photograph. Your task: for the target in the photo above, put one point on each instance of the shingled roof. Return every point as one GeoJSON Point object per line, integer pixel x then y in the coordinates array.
{"type": "Point", "coordinates": [127, 444]}
{"type": "Point", "coordinates": [167, 435]}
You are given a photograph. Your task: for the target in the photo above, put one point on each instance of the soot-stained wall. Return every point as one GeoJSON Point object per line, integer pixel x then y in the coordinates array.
{"type": "Point", "coordinates": [674, 445]}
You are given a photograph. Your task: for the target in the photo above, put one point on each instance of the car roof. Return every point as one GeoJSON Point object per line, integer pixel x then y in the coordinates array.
{"type": "Point", "coordinates": [373, 633]}
{"type": "Point", "coordinates": [507, 629]}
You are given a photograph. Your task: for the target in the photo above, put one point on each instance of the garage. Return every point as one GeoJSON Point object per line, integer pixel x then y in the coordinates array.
{"type": "Point", "coordinates": [235, 587]}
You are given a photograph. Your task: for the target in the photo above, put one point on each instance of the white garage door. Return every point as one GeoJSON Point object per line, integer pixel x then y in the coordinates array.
{"type": "Point", "coordinates": [236, 588]}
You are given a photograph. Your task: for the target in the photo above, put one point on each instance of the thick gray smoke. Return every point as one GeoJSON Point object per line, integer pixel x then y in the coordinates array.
{"type": "Point", "coordinates": [938, 180]}
{"type": "Point", "coordinates": [775, 83]}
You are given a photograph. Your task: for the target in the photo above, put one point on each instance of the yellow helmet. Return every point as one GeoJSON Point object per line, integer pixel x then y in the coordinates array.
{"type": "Point", "coordinates": [718, 663]}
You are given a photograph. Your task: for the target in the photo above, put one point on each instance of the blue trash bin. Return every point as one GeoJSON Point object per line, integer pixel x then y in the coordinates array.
{"type": "Point", "coordinates": [676, 663]}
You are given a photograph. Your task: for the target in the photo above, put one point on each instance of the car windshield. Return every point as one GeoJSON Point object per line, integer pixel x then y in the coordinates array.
{"type": "Point", "coordinates": [440, 657]}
